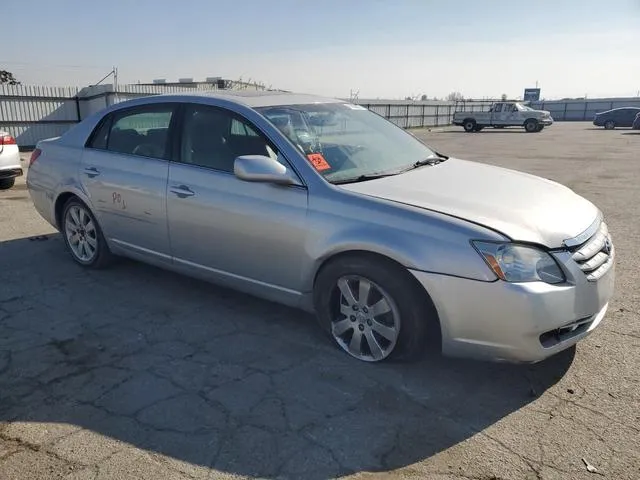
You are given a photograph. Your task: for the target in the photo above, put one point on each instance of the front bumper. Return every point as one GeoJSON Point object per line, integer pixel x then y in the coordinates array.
{"type": "Point", "coordinates": [547, 121]}
{"type": "Point", "coordinates": [517, 322]}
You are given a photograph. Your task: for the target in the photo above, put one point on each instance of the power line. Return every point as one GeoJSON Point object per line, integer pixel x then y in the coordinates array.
{"type": "Point", "coordinates": [5, 62]}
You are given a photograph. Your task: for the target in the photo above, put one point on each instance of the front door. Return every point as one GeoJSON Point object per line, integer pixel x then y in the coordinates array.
{"type": "Point", "coordinates": [250, 234]}
{"type": "Point", "coordinates": [124, 172]}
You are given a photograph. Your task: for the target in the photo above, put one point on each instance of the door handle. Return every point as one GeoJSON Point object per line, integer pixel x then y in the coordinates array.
{"type": "Point", "coordinates": [91, 172]}
{"type": "Point", "coordinates": [182, 191]}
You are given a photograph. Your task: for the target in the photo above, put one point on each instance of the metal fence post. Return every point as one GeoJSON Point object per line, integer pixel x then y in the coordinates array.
{"type": "Point", "coordinates": [78, 116]}
{"type": "Point", "coordinates": [422, 122]}
{"type": "Point", "coordinates": [565, 111]}
{"type": "Point", "coordinates": [388, 111]}
{"type": "Point", "coordinates": [437, 123]}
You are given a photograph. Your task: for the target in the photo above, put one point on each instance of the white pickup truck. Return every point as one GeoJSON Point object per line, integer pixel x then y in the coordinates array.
{"type": "Point", "coordinates": [504, 114]}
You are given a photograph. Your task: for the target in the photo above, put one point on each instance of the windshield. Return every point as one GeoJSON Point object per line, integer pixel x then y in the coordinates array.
{"type": "Point", "coordinates": [523, 108]}
{"type": "Point", "coordinates": [347, 142]}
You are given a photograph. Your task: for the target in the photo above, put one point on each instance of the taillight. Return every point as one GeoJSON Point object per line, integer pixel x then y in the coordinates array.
{"type": "Point", "coordinates": [34, 156]}
{"type": "Point", "coordinates": [7, 140]}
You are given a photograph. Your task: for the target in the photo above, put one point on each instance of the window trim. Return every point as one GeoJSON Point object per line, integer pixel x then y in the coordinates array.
{"type": "Point", "coordinates": [108, 118]}
{"type": "Point", "coordinates": [176, 152]}
{"type": "Point", "coordinates": [115, 115]}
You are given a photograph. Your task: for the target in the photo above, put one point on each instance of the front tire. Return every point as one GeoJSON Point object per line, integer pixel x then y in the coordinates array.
{"type": "Point", "coordinates": [609, 125]}
{"type": "Point", "coordinates": [7, 183]}
{"type": "Point", "coordinates": [531, 125]}
{"type": "Point", "coordinates": [373, 310]}
{"type": "Point", "coordinates": [83, 236]}
{"type": "Point", "coordinates": [469, 125]}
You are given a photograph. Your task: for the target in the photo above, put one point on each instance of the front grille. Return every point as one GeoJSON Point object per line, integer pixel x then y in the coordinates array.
{"type": "Point", "coordinates": [596, 255]}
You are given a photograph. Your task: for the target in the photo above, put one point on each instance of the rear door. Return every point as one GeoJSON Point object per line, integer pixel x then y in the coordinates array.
{"type": "Point", "coordinates": [124, 172]}
{"type": "Point", "coordinates": [225, 228]}
{"type": "Point", "coordinates": [498, 115]}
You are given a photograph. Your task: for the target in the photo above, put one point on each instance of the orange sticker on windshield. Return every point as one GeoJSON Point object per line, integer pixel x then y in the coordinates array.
{"type": "Point", "coordinates": [318, 161]}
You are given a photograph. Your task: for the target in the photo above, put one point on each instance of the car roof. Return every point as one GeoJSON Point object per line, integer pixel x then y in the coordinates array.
{"type": "Point", "coordinates": [621, 108]}
{"type": "Point", "coordinates": [255, 98]}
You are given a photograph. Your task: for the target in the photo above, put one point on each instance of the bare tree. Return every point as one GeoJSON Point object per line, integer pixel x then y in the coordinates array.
{"type": "Point", "coordinates": [455, 97]}
{"type": "Point", "coordinates": [8, 78]}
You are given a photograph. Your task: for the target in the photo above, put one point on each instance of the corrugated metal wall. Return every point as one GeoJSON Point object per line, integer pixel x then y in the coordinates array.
{"type": "Point", "coordinates": [580, 110]}
{"type": "Point", "coordinates": [30, 113]}
{"type": "Point", "coordinates": [422, 114]}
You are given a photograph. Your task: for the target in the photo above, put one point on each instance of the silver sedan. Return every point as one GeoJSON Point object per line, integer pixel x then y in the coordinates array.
{"type": "Point", "coordinates": [323, 205]}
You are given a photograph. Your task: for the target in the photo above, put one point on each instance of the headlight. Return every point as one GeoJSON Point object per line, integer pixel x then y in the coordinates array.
{"type": "Point", "coordinates": [520, 263]}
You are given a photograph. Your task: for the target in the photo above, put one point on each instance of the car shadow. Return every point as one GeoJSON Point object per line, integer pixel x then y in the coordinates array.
{"type": "Point", "coordinates": [208, 377]}
{"type": "Point", "coordinates": [605, 130]}
{"type": "Point", "coordinates": [494, 131]}
{"type": "Point", "coordinates": [631, 133]}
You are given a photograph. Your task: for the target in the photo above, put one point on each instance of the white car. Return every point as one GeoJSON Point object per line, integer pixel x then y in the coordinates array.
{"type": "Point", "coordinates": [10, 166]}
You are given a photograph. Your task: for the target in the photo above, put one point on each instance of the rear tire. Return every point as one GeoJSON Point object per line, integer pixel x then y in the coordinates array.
{"type": "Point", "coordinates": [531, 125]}
{"type": "Point", "coordinates": [83, 236]}
{"type": "Point", "coordinates": [392, 321]}
{"type": "Point", "coordinates": [609, 125]}
{"type": "Point", "coordinates": [469, 125]}
{"type": "Point", "coordinates": [7, 183]}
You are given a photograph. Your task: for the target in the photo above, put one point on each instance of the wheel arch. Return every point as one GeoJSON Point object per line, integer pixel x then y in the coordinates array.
{"type": "Point", "coordinates": [61, 200]}
{"type": "Point", "coordinates": [374, 256]}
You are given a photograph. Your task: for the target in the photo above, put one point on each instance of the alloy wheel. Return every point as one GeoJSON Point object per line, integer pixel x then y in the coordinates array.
{"type": "Point", "coordinates": [367, 321]}
{"type": "Point", "coordinates": [81, 234]}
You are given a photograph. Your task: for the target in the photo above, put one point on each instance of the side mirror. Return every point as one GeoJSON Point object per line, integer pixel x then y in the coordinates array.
{"type": "Point", "coordinates": [260, 168]}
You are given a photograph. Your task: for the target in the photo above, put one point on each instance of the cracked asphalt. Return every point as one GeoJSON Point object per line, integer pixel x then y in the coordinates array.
{"type": "Point", "coordinates": [137, 373]}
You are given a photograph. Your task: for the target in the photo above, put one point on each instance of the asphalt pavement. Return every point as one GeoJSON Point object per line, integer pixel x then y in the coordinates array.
{"type": "Point", "coordinates": [138, 373]}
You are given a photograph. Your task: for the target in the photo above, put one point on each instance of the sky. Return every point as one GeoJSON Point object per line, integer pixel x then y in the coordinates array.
{"type": "Point", "coordinates": [378, 48]}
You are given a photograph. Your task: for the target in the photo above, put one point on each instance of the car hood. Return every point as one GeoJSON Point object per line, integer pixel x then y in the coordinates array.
{"type": "Point", "coordinates": [521, 206]}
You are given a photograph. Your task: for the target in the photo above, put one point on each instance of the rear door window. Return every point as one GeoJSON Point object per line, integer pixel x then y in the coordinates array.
{"type": "Point", "coordinates": [142, 131]}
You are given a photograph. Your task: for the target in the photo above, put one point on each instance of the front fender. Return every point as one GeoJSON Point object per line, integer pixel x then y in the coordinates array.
{"type": "Point", "coordinates": [431, 251]}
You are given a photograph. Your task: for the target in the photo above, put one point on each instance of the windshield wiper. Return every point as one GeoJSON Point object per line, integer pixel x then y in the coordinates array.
{"type": "Point", "coordinates": [363, 178]}
{"type": "Point", "coordinates": [430, 160]}
{"type": "Point", "coordinates": [434, 159]}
